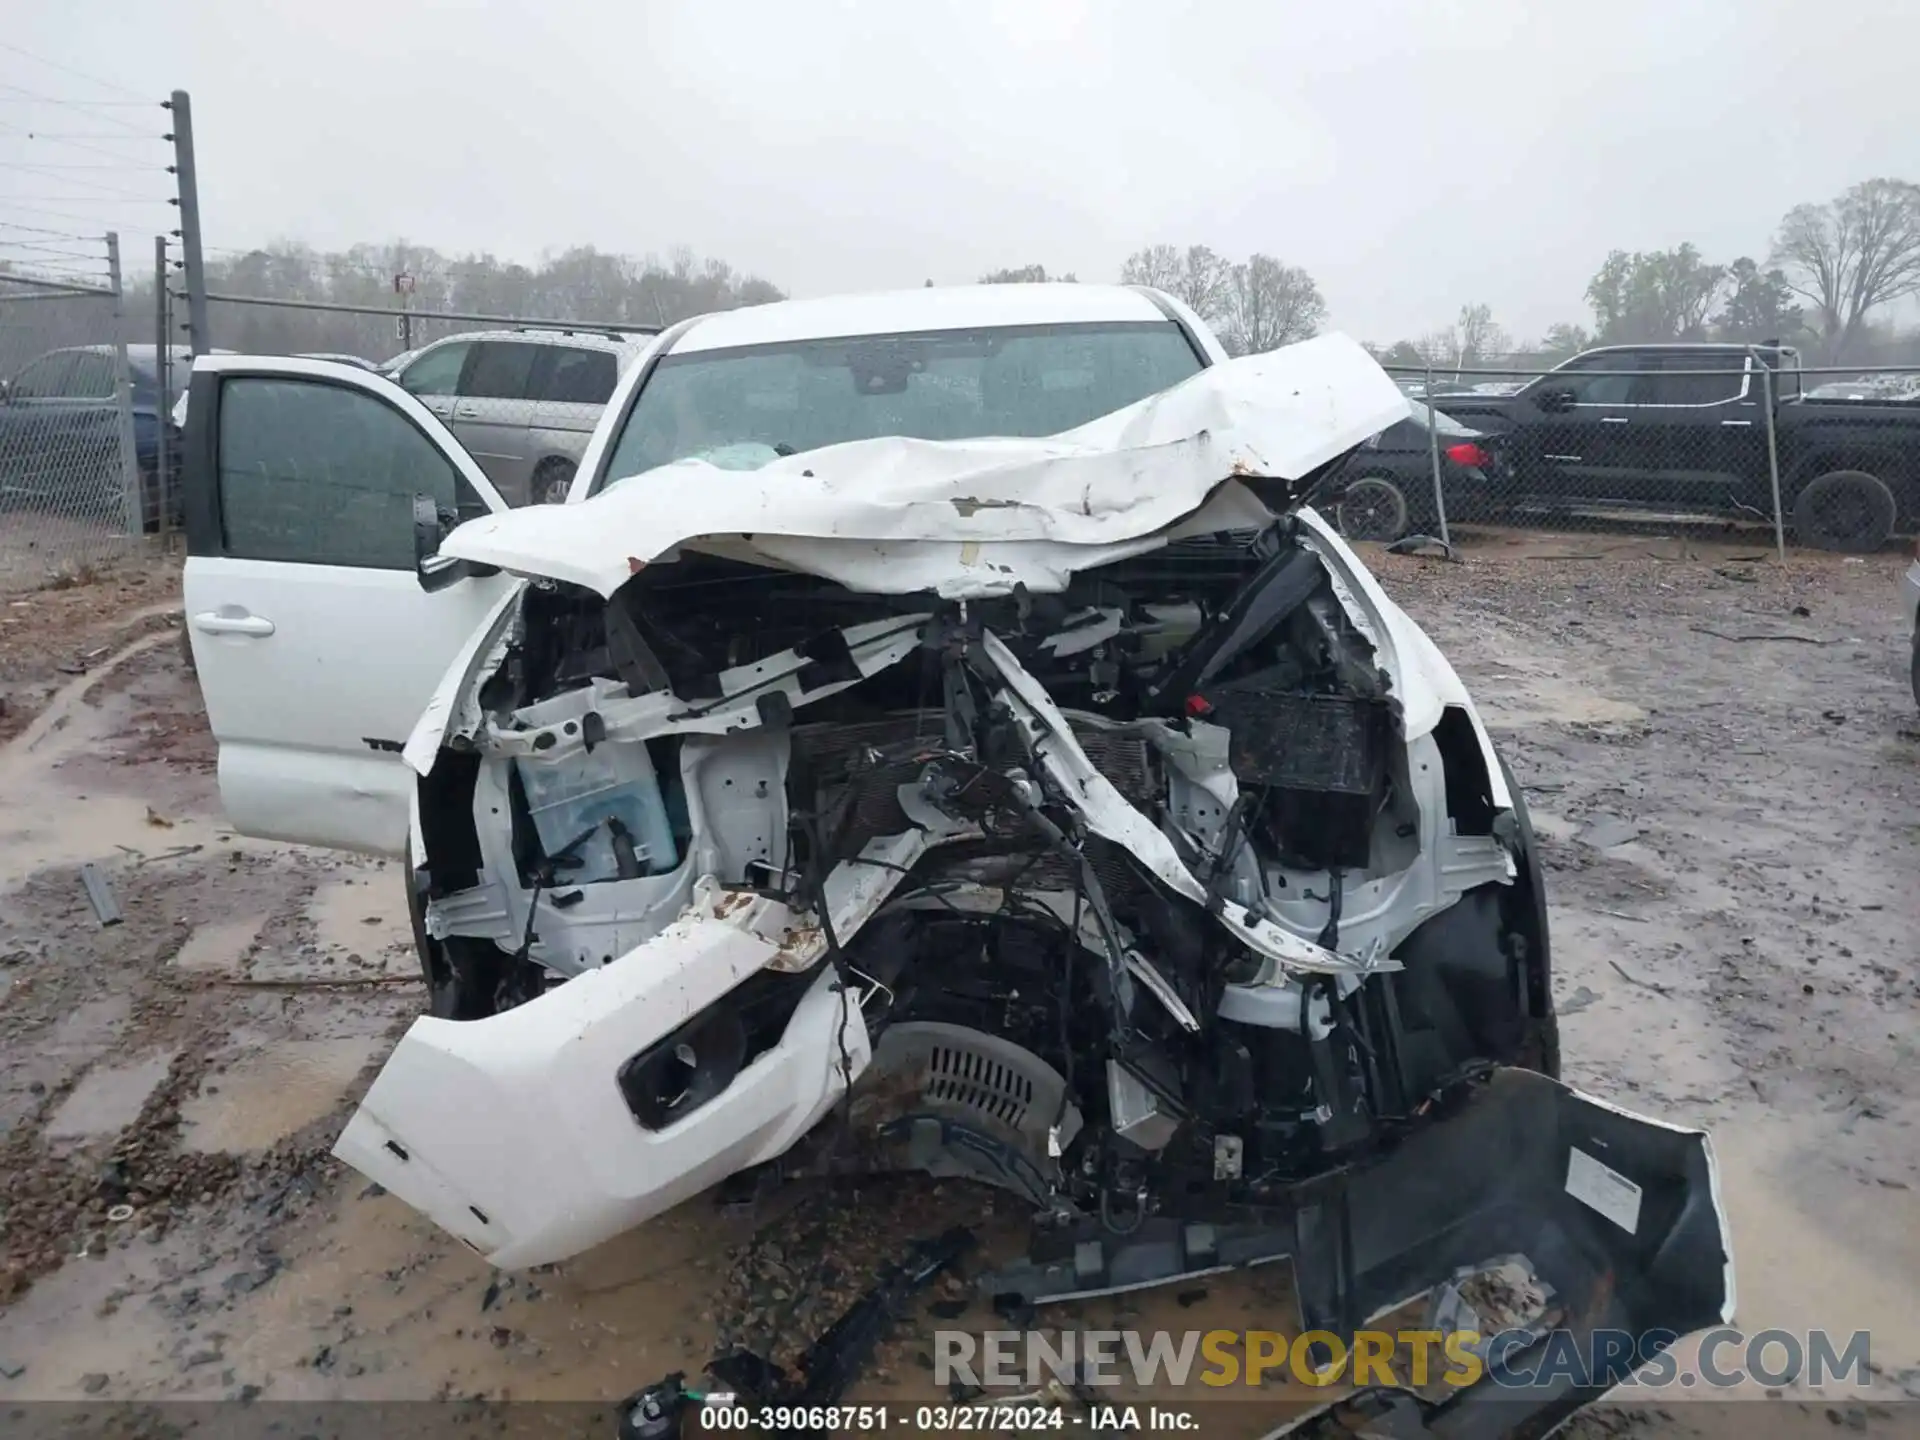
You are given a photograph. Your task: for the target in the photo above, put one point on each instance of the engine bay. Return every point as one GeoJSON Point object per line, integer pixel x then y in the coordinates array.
{"type": "Point", "coordinates": [1188, 918]}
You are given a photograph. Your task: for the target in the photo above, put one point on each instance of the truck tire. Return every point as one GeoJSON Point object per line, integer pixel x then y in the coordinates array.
{"type": "Point", "coordinates": [1372, 507]}
{"type": "Point", "coordinates": [456, 970]}
{"type": "Point", "coordinates": [551, 479]}
{"type": "Point", "coordinates": [1546, 1045]}
{"type": "Point", "coordinates": [1847, 510]}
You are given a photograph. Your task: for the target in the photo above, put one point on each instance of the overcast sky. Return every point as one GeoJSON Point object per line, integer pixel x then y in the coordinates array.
{"type": "Point", "coordinates": [1413, 155]}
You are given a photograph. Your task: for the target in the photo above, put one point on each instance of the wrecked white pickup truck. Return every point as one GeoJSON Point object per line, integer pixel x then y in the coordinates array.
{"type": "Point", "coordinates": [844, 780]}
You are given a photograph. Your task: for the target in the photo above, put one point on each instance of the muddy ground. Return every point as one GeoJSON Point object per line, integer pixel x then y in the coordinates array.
{"type": "Point", "coordinates": [1731, 826]}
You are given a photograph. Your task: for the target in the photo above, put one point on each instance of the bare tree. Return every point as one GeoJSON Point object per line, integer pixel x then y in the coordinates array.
{"type": "Point", "coordinates": [1023, 275]}
{"type": "Point", "coordinates": [1480, 337]}
{"type": "Point", "coordinates": [1851, 255]}
{"type": "Point", "coordinates": [1269, 305]}
{"type": "Point", "coordinates": [1195, 275]}
{"type": "Point", "coordinates": [1157, 265]}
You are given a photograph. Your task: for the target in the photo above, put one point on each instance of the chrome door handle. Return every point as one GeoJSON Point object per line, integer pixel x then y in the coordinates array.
{"type": "Point", "coordinates": [467, 412]}
{"type": "Point", "coordinates": [1736, 422]}
{"type": "Point", "coordinates": [212, 622]}
{"type": "Point", "coordinates": [1613, 419]}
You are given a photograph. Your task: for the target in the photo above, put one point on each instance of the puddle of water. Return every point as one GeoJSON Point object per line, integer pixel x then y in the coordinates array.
{"type": "Point", "coordinates": [1541, 700]}
{"type": "Point", "coordinates": [1550, 826]}
{"type": "Point", "coordinates": [108, 1098]}
{"type": "Point", "coordinates": [271, 1093]}
{"type": "Point", "coordinates": [360, 930]}
{"type": "Point", "coordinates": [1813, 1247]}
{"type": "Point", "coordinates": [220, 946]}
{"type": "Point", "coordinates": [363, 913]}
{"type": "Point", "coordinates": [63, 807]}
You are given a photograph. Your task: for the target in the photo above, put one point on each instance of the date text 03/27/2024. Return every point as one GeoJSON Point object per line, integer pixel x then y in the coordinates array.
{"type": "Point", "coordinates": [719, 1414]}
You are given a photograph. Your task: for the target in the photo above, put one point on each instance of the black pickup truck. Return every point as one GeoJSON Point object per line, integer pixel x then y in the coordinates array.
{"type": "Point", "coordinates": [1682, 430]}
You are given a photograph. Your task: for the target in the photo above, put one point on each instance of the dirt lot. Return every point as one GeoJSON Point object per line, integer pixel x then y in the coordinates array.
{"type": "Point", "coordinates": [1732, 826]}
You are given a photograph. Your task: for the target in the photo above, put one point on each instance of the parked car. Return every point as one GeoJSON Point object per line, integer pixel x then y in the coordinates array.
{"type": "Point", "coordinates": [1386, 486]}
{"type": "Point", "coordinates": [522, 402]}
{"type": "Point", "coordinates": [846, 776]}
{"type": "Point", "coordinates": [59, 429]}
{"type": "Point", "coordinates": [1684, 428]}
{"type": "Point", "coordinates": [1910, 592]}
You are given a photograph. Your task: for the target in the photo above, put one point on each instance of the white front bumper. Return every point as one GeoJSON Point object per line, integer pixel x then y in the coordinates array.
{"type": "Point", "coordinates": [511, 1132]}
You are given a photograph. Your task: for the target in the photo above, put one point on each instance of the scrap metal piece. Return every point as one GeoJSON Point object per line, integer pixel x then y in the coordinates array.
{"type": "Point", "coordinates": [100, 895]}
{"type": "Point", "coordinates": [1137, 1113]}
{"type": "Point", "coordinates": [834, 1361]}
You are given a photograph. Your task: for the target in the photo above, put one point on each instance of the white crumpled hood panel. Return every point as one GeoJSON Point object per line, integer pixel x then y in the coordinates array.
{"type": "Point", "coordinates": [969, 517]}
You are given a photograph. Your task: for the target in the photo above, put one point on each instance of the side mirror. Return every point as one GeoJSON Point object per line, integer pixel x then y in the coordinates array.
{"type": "Point", "coordinates": [1555, 399]}
{"type": "Point", "coordinates": [430, 527]}
{"type": "Point", "coordinates": [6, 392]}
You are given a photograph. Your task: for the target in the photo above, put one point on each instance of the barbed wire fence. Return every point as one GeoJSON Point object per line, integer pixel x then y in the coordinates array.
{"type": "Point", "coordinates": [1752, 448]}
{"type": "Point", "coordinates": [82, 168]}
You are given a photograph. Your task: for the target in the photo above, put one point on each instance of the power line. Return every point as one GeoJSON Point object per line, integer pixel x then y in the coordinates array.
{"type": "Point", "coordinates": [84, 107]}
{"type": "Point", "coordinates": [102, 198]}
{"type": "Point", "coordinates": [12, 203]}
{"type": "Point", "coordinates": [48, 250]}
{"type": "Point", "coordinates": [42, 230]}
{"type": "Point", "coordinates": [77, 74]}
{"type": "Point", "coordinates": [35, 165]}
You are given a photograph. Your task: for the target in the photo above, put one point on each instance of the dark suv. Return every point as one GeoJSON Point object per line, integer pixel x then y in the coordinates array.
{"type": "Point", "coordinates": [1684, 429]}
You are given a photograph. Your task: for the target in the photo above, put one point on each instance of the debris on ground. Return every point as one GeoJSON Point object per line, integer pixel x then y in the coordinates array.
{"type": "Point", "coordinates": [100, 895]}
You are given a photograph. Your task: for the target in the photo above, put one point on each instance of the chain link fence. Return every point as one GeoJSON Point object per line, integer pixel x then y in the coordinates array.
{"type": "Point", "coordinates": [1737, 442]}
{"type": "Point", "coordinates": [78, 417]}
{"type": "Point", "coordinates": [1749, 444]}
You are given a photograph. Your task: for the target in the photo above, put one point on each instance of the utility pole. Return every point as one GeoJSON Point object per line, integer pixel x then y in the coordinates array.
{"type": "Point", "coordinates": [189, 203]}
{"type": "Point", "coordinates": [163, 366]}
{"type": "Point", "coordinates": [123, 396]}
{"type": "Point", "coordinates": [403, 287]}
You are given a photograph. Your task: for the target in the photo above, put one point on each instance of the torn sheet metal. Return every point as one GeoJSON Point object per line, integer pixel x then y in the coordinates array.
{"type": "Point", "coordinates": [1110, 816]}
{"type": "Point", "coordinates": [1047, 507]}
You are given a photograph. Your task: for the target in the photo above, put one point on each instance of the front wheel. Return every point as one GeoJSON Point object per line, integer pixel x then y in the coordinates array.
{"type": "Point", "coordinates": [1372, 507]}
{"type": "Point", "coordinates": [1846, 510]}
{"type": "Point", "coordinates": [460, 980]}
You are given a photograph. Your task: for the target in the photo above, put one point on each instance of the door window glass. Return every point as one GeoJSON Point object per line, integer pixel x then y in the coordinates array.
{"type": "Point", "coordinates": [323, 474]}
{"type": "Point", "coordinates": [1698, 379]}
{"type": "Point", "coordinates": [46, 378]}
{"type": "Point", "coordinates": [500, 370]}
{"type": "Point", "coordinates": [580, 377]}
{"type": "Point", "coordinates": [92, 377]}
{"type": "Point", "coordinates": [437, 372]}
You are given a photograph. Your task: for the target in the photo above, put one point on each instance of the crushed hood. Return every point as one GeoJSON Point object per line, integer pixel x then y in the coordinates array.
{"type": "Point", "coordinates": [974, 518]}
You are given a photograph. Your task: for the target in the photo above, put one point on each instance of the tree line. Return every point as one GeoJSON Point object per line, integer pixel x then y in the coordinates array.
{"type": "Point", "coordinates": [1823, 284]}
{"type": "Point", "coordinates": [1253, 305]}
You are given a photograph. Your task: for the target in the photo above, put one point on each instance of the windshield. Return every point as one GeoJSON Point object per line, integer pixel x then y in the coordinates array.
{"type": "Point", "coordinates": [740, 408]}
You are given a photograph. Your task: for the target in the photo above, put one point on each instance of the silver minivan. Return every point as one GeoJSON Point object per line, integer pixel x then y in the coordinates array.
{"type": "Point", "coordinates": [523, 402]}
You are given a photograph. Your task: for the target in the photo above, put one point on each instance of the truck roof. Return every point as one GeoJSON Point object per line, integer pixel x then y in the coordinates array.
{"type": "Point", "coordinates": [950, 307]}
{"type": "Point", "coordinates": [1731, 347]}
